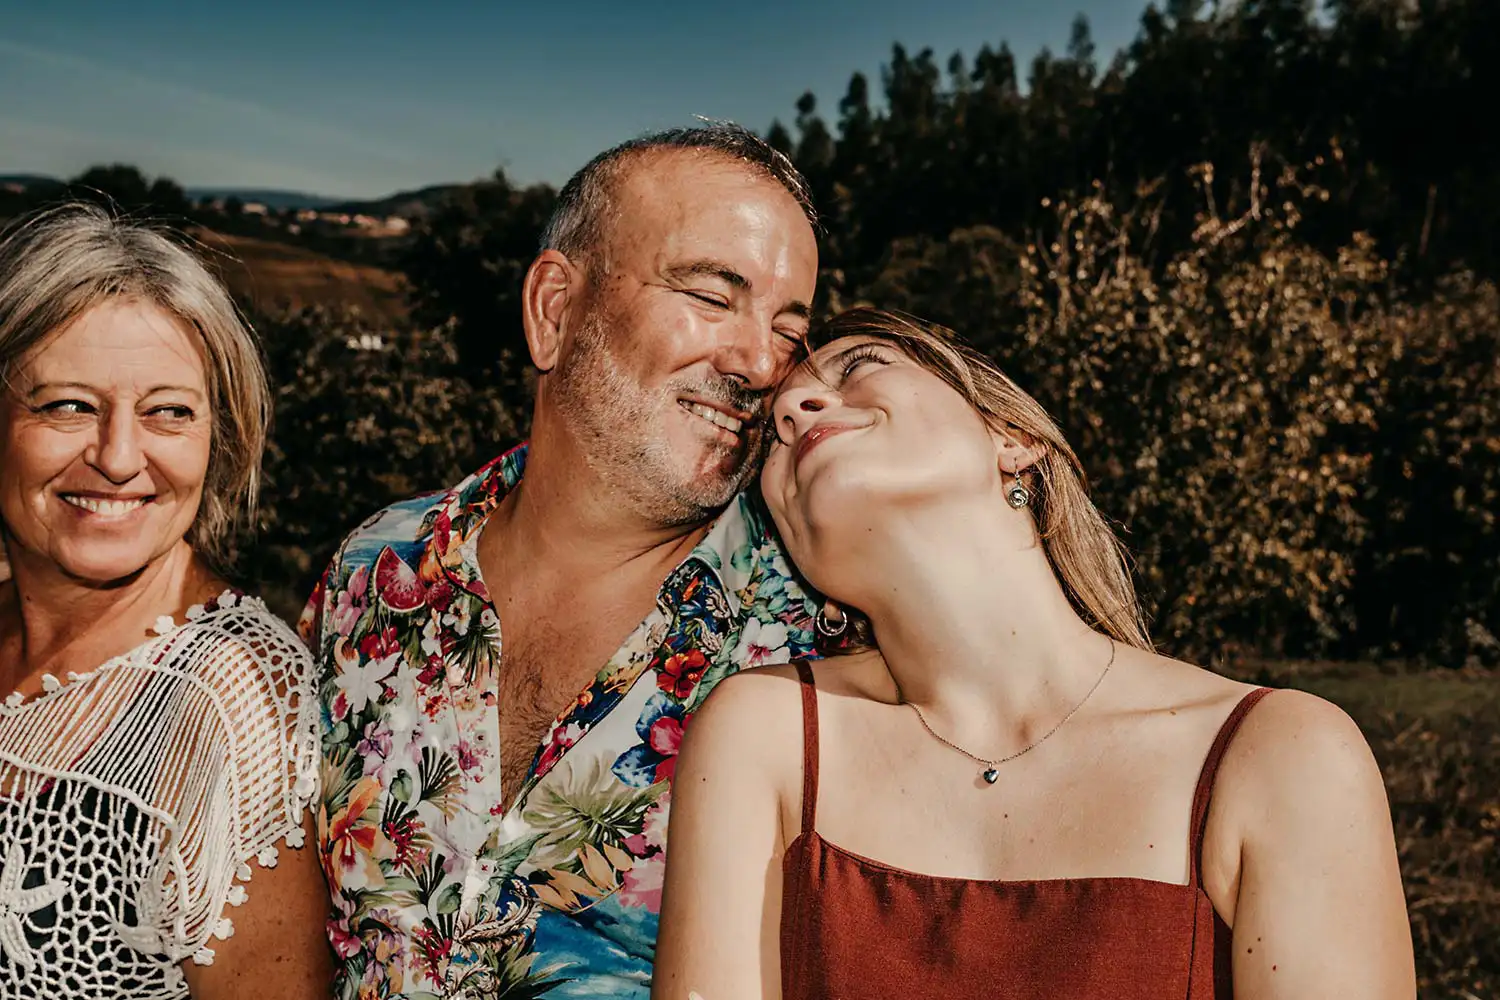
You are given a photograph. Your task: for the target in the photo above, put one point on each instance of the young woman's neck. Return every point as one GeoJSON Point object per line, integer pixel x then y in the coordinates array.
{"type": "Point", "coordinates": [973, 623]}
{"type": "Point", "coordinates": [68, 624]}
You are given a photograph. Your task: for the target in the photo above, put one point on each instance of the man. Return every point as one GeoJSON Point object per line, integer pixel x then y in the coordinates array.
{"type": "Point", "coordinates": [508, 667]}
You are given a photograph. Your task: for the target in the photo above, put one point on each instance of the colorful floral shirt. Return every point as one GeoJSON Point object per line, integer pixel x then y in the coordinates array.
{"type": "Point", "coordinates": [438, 888]}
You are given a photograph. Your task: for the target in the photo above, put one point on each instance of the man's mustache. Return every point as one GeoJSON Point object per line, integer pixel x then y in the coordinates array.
{"type": "Point", "coordinates": [732, 395]}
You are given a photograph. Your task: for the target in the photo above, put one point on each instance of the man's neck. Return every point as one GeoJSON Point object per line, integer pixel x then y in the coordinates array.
{"type": "Point", "coordinates": [562, 523]}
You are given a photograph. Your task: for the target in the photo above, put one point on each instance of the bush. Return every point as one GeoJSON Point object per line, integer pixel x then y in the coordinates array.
{"type": "Point", "coordinates": [363, 418]}
{"type": "Point", "coordinates": [1263, 418]}
{"type": "Point", "coordinates": [1427, 584]}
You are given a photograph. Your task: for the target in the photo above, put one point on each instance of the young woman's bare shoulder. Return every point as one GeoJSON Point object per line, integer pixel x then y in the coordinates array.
{"type": "Point", "coordinates": [1178, 686]}
{"type": "Point", "coordinates": [752, 713]}
{"type": "Point", "coordinates": [1287, 733]}
{"type": "Point", "coordinates": [1295, 743]}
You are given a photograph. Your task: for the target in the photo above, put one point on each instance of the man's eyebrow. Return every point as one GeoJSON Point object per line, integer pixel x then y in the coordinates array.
{"type": "Point", "coordinates": [709, 269]}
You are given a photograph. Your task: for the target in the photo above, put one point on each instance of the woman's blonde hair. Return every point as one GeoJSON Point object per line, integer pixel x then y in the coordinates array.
{"type": "Point", "coordinates": [1088, 558]}
{"type": "Point", "coordinates": [58, 263]}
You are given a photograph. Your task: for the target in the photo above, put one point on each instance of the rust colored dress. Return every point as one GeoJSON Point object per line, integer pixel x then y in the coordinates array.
{"type": "Point", "coordinates": [852, 928]}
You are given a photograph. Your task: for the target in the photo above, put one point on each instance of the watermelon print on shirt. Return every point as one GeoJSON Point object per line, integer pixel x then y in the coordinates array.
{"type": "Point", "coordinates": [438, 889]}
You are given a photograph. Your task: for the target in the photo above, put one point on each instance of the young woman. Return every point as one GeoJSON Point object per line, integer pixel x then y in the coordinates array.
{"type": "Point", "coordinates": [992, 786]}
{"type": "Point", "coordinates": [158, 730]}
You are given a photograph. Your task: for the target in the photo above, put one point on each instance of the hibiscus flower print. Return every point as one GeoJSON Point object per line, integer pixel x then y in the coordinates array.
{"type": "Point", "coordinates": [762, 643]}
{"type": "Point", "coordinates": [660, 728]}
{"type": "Point", "coordinates": [681, 673]}
{"type": "Point", "coordinates": [351, 601]}
{"type": "Point", "coordinates": [562, 738]}
{"type": "Point", "coordinates": [642, 884]}
{"type": "Point", "coordinates": [346, 943]}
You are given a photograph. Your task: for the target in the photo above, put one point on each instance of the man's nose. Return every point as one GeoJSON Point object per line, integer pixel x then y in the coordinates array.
{"type": "Point", "coordinates": [754, 354]}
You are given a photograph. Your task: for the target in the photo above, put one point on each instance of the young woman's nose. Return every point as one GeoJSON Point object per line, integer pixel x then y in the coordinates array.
{"type": "Point", "coordinates": [796, 408]}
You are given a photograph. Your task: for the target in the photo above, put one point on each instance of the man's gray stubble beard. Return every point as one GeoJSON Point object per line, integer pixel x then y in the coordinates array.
{"type": "Point", "coordinates": [599, 401]}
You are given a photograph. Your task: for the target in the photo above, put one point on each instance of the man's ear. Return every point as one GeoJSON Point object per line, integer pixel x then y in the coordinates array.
{"type": "Point", "coordinates": [1015, 450]}
{"type": "Point", "coordinates": [551, 282]}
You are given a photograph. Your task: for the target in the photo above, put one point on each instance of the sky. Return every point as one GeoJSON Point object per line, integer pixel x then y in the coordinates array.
{"type": "Point", "coordinates": [364, 99]}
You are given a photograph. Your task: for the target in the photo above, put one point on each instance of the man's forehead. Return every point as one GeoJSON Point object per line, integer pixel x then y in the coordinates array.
{"type": "Point", "coordinates": [670, 186]}
{"type": "Point", "coordinates": [682, 210]}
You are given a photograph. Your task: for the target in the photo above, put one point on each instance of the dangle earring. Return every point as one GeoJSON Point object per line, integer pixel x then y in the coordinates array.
{"type": "Point", "coordinates": [1016, 494]}
{"type": "Point", "coordinates": [827, 627]}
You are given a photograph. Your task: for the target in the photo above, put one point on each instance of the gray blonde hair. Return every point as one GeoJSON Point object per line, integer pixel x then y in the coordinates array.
{"type": "Point", "coordinates": [1084, 552]}
{"type": "Point", "coordinates": [58, 263]}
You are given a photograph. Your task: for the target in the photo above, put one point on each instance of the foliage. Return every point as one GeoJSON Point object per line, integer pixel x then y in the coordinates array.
{"type": "Point", "coordinates": [466, 266]}
{"type": "Point", "coordinates": [1427, 582]}
{"type": "Point", "coordinates": [1266, 420]}
{"type": "Point", "coordinates": [117, 185]}
{"type": "Point", "coordinates": [363, 418]}
{"type": "Point", "coordinates": [944, 146]}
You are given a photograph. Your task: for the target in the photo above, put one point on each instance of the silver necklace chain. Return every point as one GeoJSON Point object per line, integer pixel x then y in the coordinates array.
{"type": "Point", "coordinates": [990, 772]}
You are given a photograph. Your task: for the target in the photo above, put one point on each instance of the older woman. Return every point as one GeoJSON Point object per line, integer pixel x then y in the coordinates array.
{"type": "Point", "coordinates": [997, 788]}
{"type": "Point", "coordinates": [157, 730]}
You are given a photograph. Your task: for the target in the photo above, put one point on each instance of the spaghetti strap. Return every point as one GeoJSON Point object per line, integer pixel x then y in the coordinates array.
{"type": "Point", "coordinates": [1203, 794]}
{"type": "Point", "coordinates": [809, 746]}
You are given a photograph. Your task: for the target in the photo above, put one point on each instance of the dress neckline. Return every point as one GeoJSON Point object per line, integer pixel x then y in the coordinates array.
{"type": "Point", "coordinates": [817, 839]}
{"type": "Point", "coordinates": [163, 628]}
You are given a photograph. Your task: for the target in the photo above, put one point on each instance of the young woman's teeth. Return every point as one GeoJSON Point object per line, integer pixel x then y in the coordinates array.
{"type": "Point", "coordinates": [715, 417]}
{"type": "Point", "coordinates": [109, 507]}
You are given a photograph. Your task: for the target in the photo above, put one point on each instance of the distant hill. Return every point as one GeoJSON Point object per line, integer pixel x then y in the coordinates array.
{"type": "Point", "coordinates": [269, 197]}
{"type": "Point", "coordinates": [416, 204]}
{"type": "Point", "coordinates": [27, 180]}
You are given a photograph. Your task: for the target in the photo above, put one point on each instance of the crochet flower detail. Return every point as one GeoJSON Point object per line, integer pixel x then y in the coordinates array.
{"type": "Point", "coordinates": [17, 901]}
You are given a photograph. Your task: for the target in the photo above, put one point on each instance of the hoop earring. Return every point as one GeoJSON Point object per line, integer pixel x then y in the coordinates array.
{"type": "Point", "coordinates": [828, 628]}
{"type": "Point", "coordinates": [1016, 494]}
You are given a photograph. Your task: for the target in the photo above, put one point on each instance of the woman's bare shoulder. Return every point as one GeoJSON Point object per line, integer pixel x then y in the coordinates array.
{"type": "Point", "coordinates": [1153, 682]}
{"type": "Point", "coordinates": [748, 712]}
{"type": "Point", "coordinates": [1283, 717]}
{"type": "Point", "coordinates": [1297, 744]}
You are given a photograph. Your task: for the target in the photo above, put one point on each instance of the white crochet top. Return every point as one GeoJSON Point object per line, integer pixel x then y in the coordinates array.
{"type": "Point", "coordinates": [133, 797]}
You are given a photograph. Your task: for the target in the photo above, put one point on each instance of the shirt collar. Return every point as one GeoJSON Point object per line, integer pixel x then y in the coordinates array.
{"type": "Point", "coordinates": [453, 525]}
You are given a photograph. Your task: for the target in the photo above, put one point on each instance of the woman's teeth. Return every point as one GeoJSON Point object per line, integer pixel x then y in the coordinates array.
{"type": "Point", "coordinates": [110, 507]}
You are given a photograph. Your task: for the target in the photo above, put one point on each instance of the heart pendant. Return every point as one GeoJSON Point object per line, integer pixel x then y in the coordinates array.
{"type": "Point", "coordinates": [990, 775]}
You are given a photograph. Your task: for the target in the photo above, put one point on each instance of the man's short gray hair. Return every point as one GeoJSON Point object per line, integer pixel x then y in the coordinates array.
{"type": "Point", "coordinates": [585, 207]}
